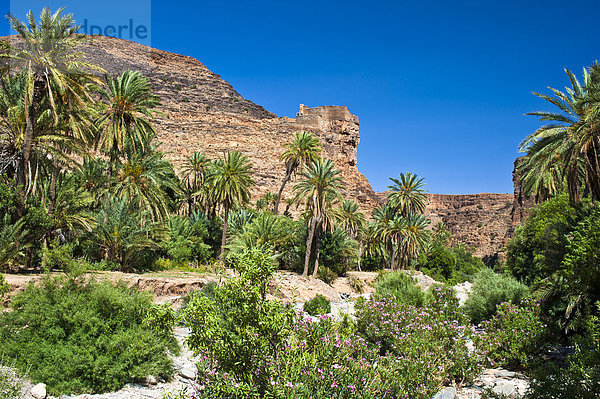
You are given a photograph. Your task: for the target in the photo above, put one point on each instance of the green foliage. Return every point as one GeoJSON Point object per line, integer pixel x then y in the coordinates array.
{"type": "Point", "coordinates": [571, 292]}
{"type": "Point", "coordinates": [489, 290]}
{"type": "Point", "coordinates": [238, 328]}
{"type": "Point", "coordinates": [356, 284]}
{"type": "Point", "coordinates": [513, 336]}
{"type": "Point", "coordinates": [338, 252]}
{"type": "Point", "coordinates": [12, 237]}
{"type": "Point", "coordinates": [317, 306]}
{"type": "Point", "coordinates": [279, 234]}
{"type": "Point", "coordinates": [556, 250]}
{"type": "Point", "coordinates": [539, 246]}
{"type": "Point", "coordinates": [4, 287]}
{"type": "Point", "coordinates": [84, 337]}
{"type": "Point", "coordinates": [186, 240]}
{"type": "Point", "coordinates": [451, 265]}
{"type": "Point", "coordinates": [580, 379]}
{"type": "Point", "coordinates": [10, 383]}
{"type": "Point", "coordinates": [127, 235]}
{"type": "Point", "coordinates": [400, 286]}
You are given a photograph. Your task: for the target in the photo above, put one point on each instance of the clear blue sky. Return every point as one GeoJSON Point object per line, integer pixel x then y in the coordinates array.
{"type": "Point", "coordinates": [440, 88]}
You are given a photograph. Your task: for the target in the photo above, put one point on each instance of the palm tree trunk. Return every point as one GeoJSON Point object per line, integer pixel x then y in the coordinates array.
{"type": "Point", "coordinates": [360, 254]}
{"type": "Point", "coordinates": [53, 180]}
{"type": "Point", "coordinates": [38, 92]}
{"type": "Point", "coordinates": [309, 240]}
{"type": "Point", "coordinates": [224, 236]}
{"type": "Point", "coordinates": [288, 176]}
{"type": "Point", "coordinates": [317, 249]}
{"type": "Point", "coordinates": [21, 185]}
{"type": "Point", "coordinates": [393, 257]}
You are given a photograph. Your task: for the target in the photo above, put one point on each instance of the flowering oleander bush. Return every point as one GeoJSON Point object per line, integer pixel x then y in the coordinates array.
{"type": "Point", "coordinates": [513, 335]}
{"type": "Point", "coordinates": [252, 347]}
{"type": "Point", "coordinates": [434, 336]}
{"type": "Point", "coordinates": [317, 306]}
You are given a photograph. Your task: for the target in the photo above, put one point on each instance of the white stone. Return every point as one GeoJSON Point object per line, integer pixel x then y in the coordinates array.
{"type": "Point", "coordinates": [38, 391]}
{"type": "Point", "coordinates": [188, 372]}
{"type": "Point", "coordinates": [446, 393]}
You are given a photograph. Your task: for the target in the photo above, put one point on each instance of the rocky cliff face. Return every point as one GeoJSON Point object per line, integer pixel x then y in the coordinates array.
{"type": "Point", "coordinates": [202, 112]}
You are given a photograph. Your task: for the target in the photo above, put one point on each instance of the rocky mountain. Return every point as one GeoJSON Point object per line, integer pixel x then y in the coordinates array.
{"type": "Point", "coordinates": [203, 112]}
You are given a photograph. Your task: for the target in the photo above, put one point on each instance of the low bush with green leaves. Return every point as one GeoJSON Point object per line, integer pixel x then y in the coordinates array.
{"type": "Point", "coordinates": [317, 306]}
{"type": "Point", "coordinates": [11, 383]}
{"type": "Point", "coordinates": [489, 290]}
{"type": "Point", "coordinates": [513, 336]}
{"type": "Point", "coordinates": [402, 287]}
{"type": "Point", "coordinates": [580, 378]}
{"type": "Point", "coordinates": [81, 336]}
{"type": "Point", "coordinates": [238, 329]}
{"type": "Point", "coordinates": [4, 287]}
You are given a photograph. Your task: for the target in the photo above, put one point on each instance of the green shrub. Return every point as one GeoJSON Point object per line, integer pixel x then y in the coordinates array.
{"type": "Point", "coordinates": [513, 336]}
{"type": "Point", "coordinates": [489, 290]}
{"type": "Point", "coordinates": [10, 383]}
{"type": "Point", "coordinates": [4, 286]}
{"type": "Point", "coordinates": [538, 247]}
{"type": "Point", "coordinates": [402, 287]}
{"type": "Point", "coordinates": [338, 252]}
{"type": "Point", "coordinates": [580, 379]}
{"type": "Point", "coordinates": [84, 337]}
{"type": "Point", "coordinates": [326, 274]}
{"type": "Point", "coordinates": [356, 284]}
{"type": "Point", "coordinates": [317, 306]}
{"type": "Point", "coordinates": [239, 330]}
{"type": "Point", "coordinates": [451, 265]}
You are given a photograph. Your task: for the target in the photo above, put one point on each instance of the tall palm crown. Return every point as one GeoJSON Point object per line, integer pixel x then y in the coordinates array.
{"type": "Point", "coordinates": [414, 237]}
{"type": "Point", "coordinates": [566, 150]}
{"type": "Point", "coordinates": [54, 70]}
{"type": "Point", "coordinates": [407, 194]}
{"type": "Point", "coordinates": [144, 180]}
{"type": "Point", "coordinates": [125, 125]}
{"type": "Point", "coordinates": [318, 188]}
{"type": "Point", "coordinates": [350, 218]}
{"type": "Point", "coordinates": [194, 169]}
{"type": "Point", "coordinates": [304, 149]}
{"type": "Point", "coordinates": [230, 181]}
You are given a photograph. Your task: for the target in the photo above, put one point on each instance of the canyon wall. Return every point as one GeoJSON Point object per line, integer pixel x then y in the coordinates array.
{"type": "Point", "coordinates": [202, 112]}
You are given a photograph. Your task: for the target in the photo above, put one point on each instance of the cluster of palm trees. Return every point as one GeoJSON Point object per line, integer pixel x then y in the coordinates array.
{"type": "Point", "coordinates": [80, 156]}
{"type": "Point", "coordinates": [564, 154]}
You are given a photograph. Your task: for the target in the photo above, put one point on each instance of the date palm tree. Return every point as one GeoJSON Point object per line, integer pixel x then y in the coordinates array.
{"type": "Point", "coordinates": [349, 218]}
{"type": "Point", "coordinates": [124, 125]}
{"type": "Point", "coordinates": [414, 238]}
{"type": "Point", "coordinates": [54, 70]}
{"type": "Point", "coordinates": [566, 150]}
{"type": "Point", "coordinates": [230, 181]}
{"type": "Point", "coordinates": [302, 151]}
{"type": "Point", "coordinates": [144, 179]}
{"type": "Point", "coordinates": [318, 188]}
{"type": "Point", "coordinates": [407, 194]}
{"type": "Point", "coordinates": [382, 217]}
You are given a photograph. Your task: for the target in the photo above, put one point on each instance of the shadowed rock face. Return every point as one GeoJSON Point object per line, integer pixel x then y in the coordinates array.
{"type": "Point", "coordinates": [202, 112]}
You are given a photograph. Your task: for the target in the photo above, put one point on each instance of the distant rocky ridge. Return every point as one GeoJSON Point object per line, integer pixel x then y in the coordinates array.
{"type": "Point", "coordinates": [202, 112]}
